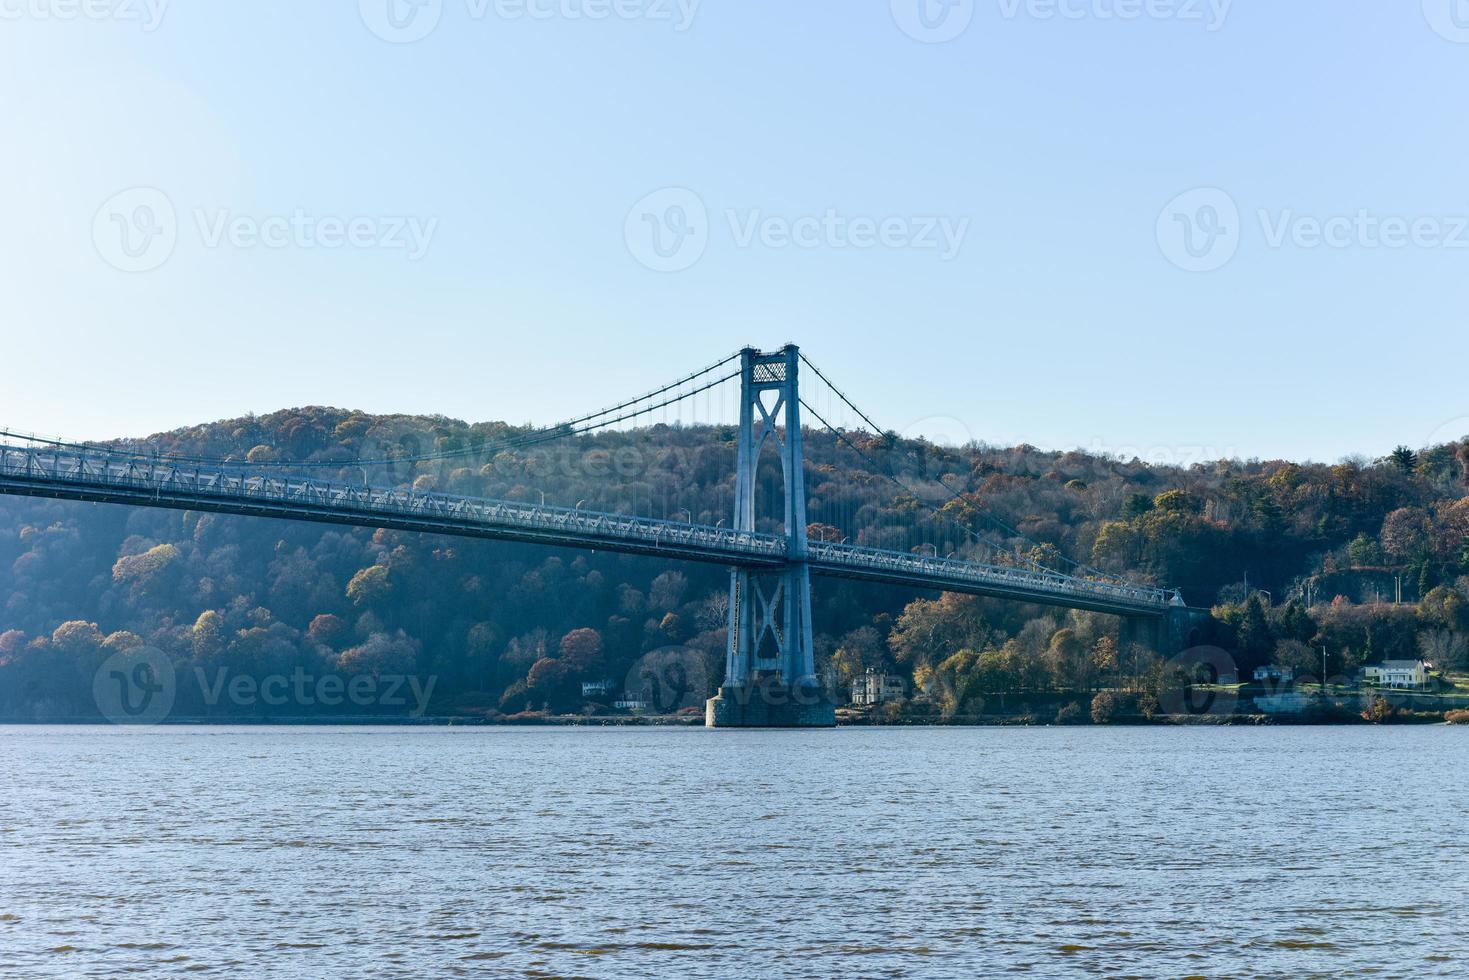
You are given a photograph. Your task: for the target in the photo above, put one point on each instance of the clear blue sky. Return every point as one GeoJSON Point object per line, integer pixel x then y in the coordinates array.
{"type": "Point", "coordinates": [1055, 142]}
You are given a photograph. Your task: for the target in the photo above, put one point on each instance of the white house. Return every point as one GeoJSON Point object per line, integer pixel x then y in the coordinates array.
{"type": "Point", "coordinates": [875, 688]}
{"type": "Point", "coordinates": [595, 688]}
{"type": "Point", "coordinates": [1397, 674]}
{"type": "Point", "coordinates": [635, 700]}
{"type": "Point", "coordinates": [1273, 672]}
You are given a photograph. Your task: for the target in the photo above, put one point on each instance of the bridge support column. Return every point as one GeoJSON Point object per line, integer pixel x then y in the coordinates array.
{"type": "Point", "coordinates": [1144, 631]}
{"type": "Point", "coordinates": [770, 669]}
{"type": "Point", "coordinates": [1167, 635]}
{"type": "Point", "coordinates": [1184, 627]}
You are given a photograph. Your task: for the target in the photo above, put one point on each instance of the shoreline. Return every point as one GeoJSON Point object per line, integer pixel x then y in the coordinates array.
{"type": "Point", "coordinates": [672, 721]}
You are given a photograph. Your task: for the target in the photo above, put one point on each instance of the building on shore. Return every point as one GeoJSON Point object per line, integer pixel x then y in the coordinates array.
{"type": "Point", "coordinates": [632, 704]}
{"type": "Point", "coordinates": [875, 688]}
{"type": "Point", "coordinates": [1409, 675]}
{"type": "Point", "coordinates": [1283, 702]}
{"type": "Point", "coordinates": [636, 699]}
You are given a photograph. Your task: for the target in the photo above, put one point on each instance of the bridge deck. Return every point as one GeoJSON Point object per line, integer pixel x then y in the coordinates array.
{"type": "Point", "coordinates": [96, 476]}
{"type": "Point", "coordinates": [1000, 581]}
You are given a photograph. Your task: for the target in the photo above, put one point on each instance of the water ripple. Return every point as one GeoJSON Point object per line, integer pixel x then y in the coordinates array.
{"type": "Point", "coordinates": [279, 852]}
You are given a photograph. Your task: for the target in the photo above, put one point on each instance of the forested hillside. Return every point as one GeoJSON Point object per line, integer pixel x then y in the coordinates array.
{"type": "Point", "coordinates": [506, 628]}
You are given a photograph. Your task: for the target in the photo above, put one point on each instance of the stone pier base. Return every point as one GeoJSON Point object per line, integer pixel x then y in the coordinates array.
{"type": "Point", "coordinates": [770, 704]}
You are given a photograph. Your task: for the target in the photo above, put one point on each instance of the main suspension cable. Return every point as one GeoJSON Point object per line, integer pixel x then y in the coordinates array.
{"type": "Point", "coordinates": [561, 430]}
{"type": "Point", "coordinates": [953, 494]}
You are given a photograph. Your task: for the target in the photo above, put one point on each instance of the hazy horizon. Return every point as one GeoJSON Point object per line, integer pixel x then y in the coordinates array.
{"type": "Point", "coordinates": [1180, 456]}
{"type": "Point", "coordinates": [1226, 227]}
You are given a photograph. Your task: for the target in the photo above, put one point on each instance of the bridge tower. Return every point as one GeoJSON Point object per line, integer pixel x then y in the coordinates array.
{"type": "Point", "coordinates": [770, 669]}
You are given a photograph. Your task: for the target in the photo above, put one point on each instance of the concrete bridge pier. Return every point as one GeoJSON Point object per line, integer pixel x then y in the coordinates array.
{"type": "Point", "coordinates": [1177, 629]}
{"type": "Point", "coordinates": [1144, 631]}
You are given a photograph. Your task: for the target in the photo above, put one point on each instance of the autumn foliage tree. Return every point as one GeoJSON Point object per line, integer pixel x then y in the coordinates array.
{"type": "Point", "coordinates": [220, 592]}
{"type": "Point", "coordinates": [581, 650]}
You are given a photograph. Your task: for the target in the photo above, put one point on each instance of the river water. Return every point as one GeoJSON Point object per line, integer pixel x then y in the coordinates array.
{"type": "Point", "coordinates": [633, 852]}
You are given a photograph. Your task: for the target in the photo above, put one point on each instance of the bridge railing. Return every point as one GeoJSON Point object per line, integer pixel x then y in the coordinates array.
{"type": "Point", "coordinates": [938, 570]}
{"type": "Point", "coordinates": [140, 478]}
{"type": "Point", "coordinates": [84, 470]}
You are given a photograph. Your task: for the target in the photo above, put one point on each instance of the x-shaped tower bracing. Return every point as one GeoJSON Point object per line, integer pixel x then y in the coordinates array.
{"type": "Point", "coordinates": [770, 611]}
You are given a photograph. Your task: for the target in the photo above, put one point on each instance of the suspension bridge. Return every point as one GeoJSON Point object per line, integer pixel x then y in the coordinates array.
{"type": "Point", "coordinates": [770, 672]}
